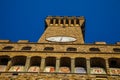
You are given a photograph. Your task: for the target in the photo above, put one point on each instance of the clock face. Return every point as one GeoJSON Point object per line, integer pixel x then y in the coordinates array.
{"type": "Point", "coordinates": [61, 39]}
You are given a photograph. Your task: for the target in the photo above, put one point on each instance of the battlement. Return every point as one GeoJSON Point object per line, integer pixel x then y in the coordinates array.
{"type": "Point", "coordinates": [100, 42]}
{"type": "Point", "coordinates": [4, 40]}
{"type": "Point", "coordinates": [66, 21]}
{"type": "Point", "coordinates": [23, 41]}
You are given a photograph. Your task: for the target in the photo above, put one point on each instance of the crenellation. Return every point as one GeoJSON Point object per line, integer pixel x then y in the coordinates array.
{"type": "Point", "coordinates": [23, 41]}
{"type": "Point", "coordinates": [4, 41]}
{"type": "Point", "coordinates": [100, 42]}
{"type": "Point", "coordinates": [118, 43]}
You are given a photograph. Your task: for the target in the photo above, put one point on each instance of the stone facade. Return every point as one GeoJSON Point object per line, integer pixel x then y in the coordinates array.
{"type": "Point", "coordinates": [49, 60]}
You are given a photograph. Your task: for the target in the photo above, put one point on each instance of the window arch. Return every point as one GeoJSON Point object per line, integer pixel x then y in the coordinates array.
{"type": "Point", "coordinates": [71, 49]}
{"type": "Point", "coordinates": [94, 49]}
{"type": "Point", "coordinates": [26, 48]}
{"type": "Point", "coordinates": [48, 48]}
{"type": "Point", "coordinates": [7, 48]}
{"type": "Point", "coordinates": [116, 49]}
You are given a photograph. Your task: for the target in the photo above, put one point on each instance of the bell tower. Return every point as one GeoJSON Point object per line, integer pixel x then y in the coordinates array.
{"type": "Point", "coordinates": [69, 30]}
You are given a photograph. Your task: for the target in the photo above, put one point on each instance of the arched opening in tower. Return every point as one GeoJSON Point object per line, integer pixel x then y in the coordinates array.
{"type": "Point", "coordinates": [18, 64]}
{"type": "Point", "coordinates": [65, 65]}
{"type": "Point", "coordinates": [50, 63]}
{"type": "Point", "coordinates": [80, 65]}
{"type": "Point", "coordinates": [3, 62]}
{"type": "Point", "coordinates": [97, 66]}
{"type": "Point", "coordinates": [35, 63]}
{"type": "Point", "coordinates": [114, 66]}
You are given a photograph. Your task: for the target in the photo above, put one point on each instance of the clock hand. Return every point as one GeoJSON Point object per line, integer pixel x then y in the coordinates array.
{"type": "Point", "coordinates": [61, 39]}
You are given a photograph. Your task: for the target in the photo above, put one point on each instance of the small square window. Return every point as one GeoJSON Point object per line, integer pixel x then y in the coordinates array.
{"type": "Point", "coordinates": [94, 49]}
{"type": "Point", "coordinates": [116, 49]}
{"type": "Point", "coordinates": [7, 48]}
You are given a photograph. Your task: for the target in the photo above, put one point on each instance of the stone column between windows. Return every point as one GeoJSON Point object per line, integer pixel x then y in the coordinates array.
{"type": "Point", "coordinates": [9, 64]}
{"type": "Point", "coordinates": [27, 64]}
{"type": "Point", "coordinates": [64, 22]}
{"type": "Point", "coordinates": [74, 22]}
{"type": "Point", "coordinates": [69, 22]}
{"type": "Point", "coordinates": [57, 64]}
{"type": "Point", "coordinates": [72, 65]}
{"type": "Point", "coordinates": [59, 21]}
{"type": "Point", "coordinates": [107, 66]}
{"type": "Point", "coordinates": [42, 64]}
{"type": "Point", "coordinates": [54, 22]}
{"type": "Point", "coordinates": [88, 66]}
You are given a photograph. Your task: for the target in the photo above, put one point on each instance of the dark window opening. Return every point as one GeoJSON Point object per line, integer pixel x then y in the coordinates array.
{"type": "Point", "coordinates": [7, 48]}
{"type": "Point", "coordinates": [114, 63]}
{"type": "Point", "coordinates": [77, 21]}
{"type": "Point", "coordinates": [71, 49]}
{"type": "Point", "coordinates": [48, 48]}
{"type": "Point", "coordinates": [35, 61]}
{"type": "Point", "coordinates": [56, 22]}
{"type": "Point", "coordinates": [50, 61]}
{"type": "Point", "coordinates": [19, 60]}
{"type": "Point", "coordinates": [51, 21]}
{"type": "Point", "coordinates": [72, 21]}
{"type": "Point", "coordinates": [67, 21]}
{"type": "Point", "coordinates": [61, 22]}
{"type": "Point", "coordinates": [94, 49]}
{"type": "Point", "coordinates": [26, 48]}
{"type": "Point", "coordinates": [4, 61]}
{"type": "Point", "coordinates": [80, 62]}
{"type": "Point", "coordinates": [97, 62]}
{"type": "Point", "coordinates": [116, 49]}
{"type": "Point", "coordinates": [65, 62]}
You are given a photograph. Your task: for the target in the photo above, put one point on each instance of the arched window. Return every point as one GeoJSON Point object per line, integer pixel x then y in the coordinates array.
{"type": "Point", "coordinates": [116, 49]}
{"type": "Point", "coordinates": [65, 61]}
{"type": "Point", "coordinates": [35, 61]}
{"type": "Point", "coordinates": [71, 49]}
{"type": "Point", "coordinates": [50, 61]}
{"type": "Point", "coordinates": [4, 60]}
{"type": "Point", "coordinates": [114, 62]}
{"type": "Point", "coordinates": [48, 48]}
{"type": "Point", "coordinates": [94, 49]}
{"type": "Point", "coordinates": [7, 48]}
{"type": "Point", "coordinates": [26, 48]}
{"type": "Point", "coordinates": [18, 60]}
{"type": "Point", "coordinates": [97, 62]}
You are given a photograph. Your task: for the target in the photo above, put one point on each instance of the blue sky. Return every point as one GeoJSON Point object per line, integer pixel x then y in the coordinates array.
{"type": "Point", "coordinates": [24, 19]}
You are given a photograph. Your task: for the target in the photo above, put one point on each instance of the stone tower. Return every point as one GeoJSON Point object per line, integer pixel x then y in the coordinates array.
{"type": "Point", "coordinates": [60, 54]}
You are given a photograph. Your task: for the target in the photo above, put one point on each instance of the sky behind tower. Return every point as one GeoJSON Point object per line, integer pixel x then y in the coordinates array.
{"type": "Point", "coordinates": [24, 19]}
